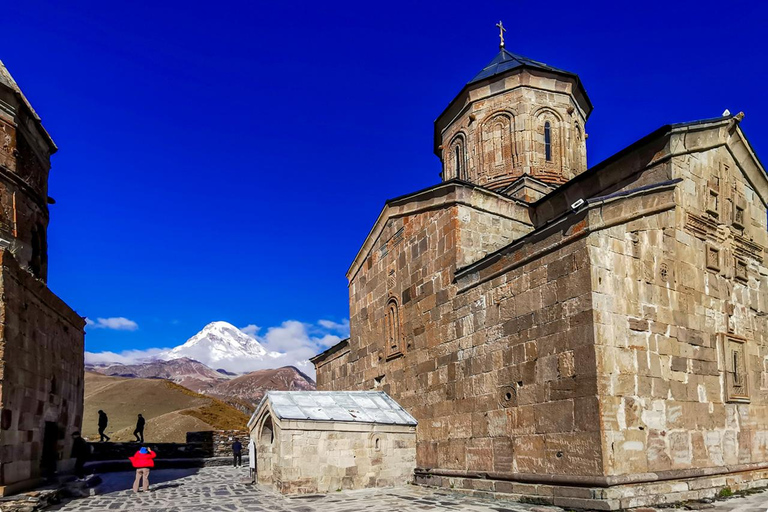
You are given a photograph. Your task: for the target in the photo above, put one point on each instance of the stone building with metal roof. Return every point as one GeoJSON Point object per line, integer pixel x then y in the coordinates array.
{"type": "Point", "coordinates": [590, 337]}
{"type": "Point", "coordinates": [324, 441]}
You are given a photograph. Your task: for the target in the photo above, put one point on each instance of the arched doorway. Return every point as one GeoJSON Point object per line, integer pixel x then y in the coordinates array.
{"type": "Point", "coordinates": [265, 450]}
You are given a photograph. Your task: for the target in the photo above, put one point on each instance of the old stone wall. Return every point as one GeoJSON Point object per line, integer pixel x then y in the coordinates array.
{"type": "Point", "coordinates": [334, 369]}
{"type": "Point", "coordinates": [218, 443]}
{"type": "Point", "coordinates": [401, 288]}
{"type": "Point", "coordinates": [412, 267]}
{"type": "Point", "coordinates": [680, 302]}
{"type": "Point", "coordinates": [481, 231]}
{"type": "Point", "coordinates": [312, 457]}
{"type": "Point", "coordinates": [41, 378]}
{"type": "Point", "coordinates": [524, 372]}
{"type": "Point", "coordinates": [490, 373]}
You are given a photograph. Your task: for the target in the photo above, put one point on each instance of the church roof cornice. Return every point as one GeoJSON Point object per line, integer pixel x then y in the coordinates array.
{"type": "Point", "coordinates": [658, 135]}
{"type": "Point", "coordinates": [486, 268]}
{"type": "Point", "coordinates": [322, 356]}
{"type": "Point", "coordinates": [658, 146]}
{"type": "Point", "coordinates": [443, 195]}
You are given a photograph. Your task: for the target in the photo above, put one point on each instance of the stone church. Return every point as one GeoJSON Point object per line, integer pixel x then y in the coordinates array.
{"type": "Point", "coordinates": [590, 337]}
{"type": "Point", "coordinates": [41, 338]}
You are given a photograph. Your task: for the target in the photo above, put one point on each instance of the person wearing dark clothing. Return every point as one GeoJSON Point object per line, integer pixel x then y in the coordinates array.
{"type": "Point", "coordinates": [139, 432]}
{"type": "Point", "coordinates": [80, 453]}
{"type": "Point", "coordinates": [103, 421]}
{"type": "Point", "coordinates": [237, 451]}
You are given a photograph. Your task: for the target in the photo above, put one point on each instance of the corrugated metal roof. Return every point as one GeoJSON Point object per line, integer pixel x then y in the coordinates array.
{"type": "Point", "coordinates": [505, 61]}
{"type": "Point", "coordinates": [351, 406]}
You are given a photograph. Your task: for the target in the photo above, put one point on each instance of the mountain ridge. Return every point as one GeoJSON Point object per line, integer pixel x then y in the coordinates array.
{"type": "Point", "coordinates": [222, 346]}
{"type": "Point", "coordinates": [241, 391]}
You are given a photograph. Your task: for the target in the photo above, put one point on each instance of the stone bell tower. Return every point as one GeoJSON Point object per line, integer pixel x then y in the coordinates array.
{"type": "Point", "coordinates": [517, 118]}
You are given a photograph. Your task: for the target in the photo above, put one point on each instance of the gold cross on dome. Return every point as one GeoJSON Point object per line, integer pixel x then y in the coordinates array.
{"type": "Point", "coordinates": [501, 28]}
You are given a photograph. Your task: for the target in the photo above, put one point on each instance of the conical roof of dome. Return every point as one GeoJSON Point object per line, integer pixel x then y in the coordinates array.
{"type": "Point", "coordinates": [506, 61]}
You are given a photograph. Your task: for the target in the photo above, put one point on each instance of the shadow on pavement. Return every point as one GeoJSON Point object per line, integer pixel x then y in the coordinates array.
{"type": "Point", "coordinates": [123, 480]}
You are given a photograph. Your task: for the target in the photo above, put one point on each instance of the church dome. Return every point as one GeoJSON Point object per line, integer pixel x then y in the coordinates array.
{"type": "Point", "coordinates": [516, 118]}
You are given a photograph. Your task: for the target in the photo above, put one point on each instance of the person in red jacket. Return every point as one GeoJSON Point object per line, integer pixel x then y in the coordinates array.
{"type": "Point", "coordinates": [142, 460]}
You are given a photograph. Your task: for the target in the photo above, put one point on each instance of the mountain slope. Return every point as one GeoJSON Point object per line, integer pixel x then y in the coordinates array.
{"type": "Point", "coordinates": [222, 345]}
{"type": "Point", "coordinates": [184, 371]}
{"type": "Point", "coordinates": [170, 410]}
{"type": "Point", "coordinates": [250, 388]}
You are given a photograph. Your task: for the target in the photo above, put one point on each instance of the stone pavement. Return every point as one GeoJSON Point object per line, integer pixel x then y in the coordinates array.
{"type": "Point", "coordinates": [753, 503]}
{"type": "Point", "coordinates": [218, 489]}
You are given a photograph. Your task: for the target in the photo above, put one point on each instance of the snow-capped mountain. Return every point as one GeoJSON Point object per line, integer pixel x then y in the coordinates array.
{"type": "Point", "coordinates": [222, 345]}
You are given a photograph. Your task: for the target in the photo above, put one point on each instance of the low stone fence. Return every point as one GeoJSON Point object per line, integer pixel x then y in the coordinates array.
{"type": "Point", "coordinates": [210, 450]}
{"type": "Point", "coordinates": [117, 451]}
{"type": "Point", "coordinates": [219, 442]}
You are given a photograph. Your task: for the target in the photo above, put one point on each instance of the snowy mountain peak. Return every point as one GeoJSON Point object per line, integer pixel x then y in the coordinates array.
{"type": "Point", "coordinates": [218, 344]}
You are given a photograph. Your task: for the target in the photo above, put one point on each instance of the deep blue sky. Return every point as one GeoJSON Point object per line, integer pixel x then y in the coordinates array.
{"type": "Point", "coordinates": [224, 161]}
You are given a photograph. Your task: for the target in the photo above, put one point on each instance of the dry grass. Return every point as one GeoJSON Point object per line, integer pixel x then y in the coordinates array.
{"type": "Point", "coordinates": [219, 415]}
{"type": "Point", "coordinates": [170, 409]}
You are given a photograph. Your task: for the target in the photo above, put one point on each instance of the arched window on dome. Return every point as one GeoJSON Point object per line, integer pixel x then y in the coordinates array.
{"type": "Point", "coordinates": [548, 141]}
{"type": "Point", "coordinates": [457, 159]}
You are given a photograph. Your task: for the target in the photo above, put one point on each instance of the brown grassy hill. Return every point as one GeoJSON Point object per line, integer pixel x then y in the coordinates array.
{"type": "Point", "coordinates": [170, 410]}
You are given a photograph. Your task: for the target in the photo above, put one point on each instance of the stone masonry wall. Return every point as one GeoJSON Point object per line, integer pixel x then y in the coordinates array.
{"type": "Point", "coordinates": [524, 375]}
{"type": "Point", "coordinates": [331, 457]}
{"type": "Point", "coordinates": [332, 373]}
{"type": "Point", "coordinates": [218, 443]}
{"type": "Point", "coordinates": [490, 374]}
{"type": "Point", "coordinates": [412, 263]}
{"type": "Point", "coordinates": [41, 375]}
{"type": "Point", "coordinates": [676, 295]}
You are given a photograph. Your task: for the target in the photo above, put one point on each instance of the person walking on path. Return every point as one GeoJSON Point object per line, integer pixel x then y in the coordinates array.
{"type": "Point", "coordinates": [142, 460]}
{"type": "Point", "coordinates": [103, 421]}
{"type": "Point", "coordinates": [139, 432]}
{"type": "Point", "coordinates": [237, 451]}
{"type": "Point", "coordinates": [80, 453]}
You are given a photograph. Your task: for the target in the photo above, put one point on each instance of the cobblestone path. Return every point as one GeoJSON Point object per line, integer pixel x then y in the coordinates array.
{"type": "Point", "coordinates": [226, 489]}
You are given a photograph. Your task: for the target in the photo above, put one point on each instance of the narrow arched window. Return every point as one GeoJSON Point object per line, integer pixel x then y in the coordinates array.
{"type": "Point", "coordinates": [394, 346]}
{"type": "Point", "coordinates": [457, 154]}
{"type": "Point", "coordinates": [457, 157]}
{"type": "Point", "coordinates": [548, 141]}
